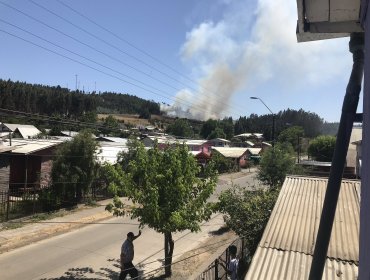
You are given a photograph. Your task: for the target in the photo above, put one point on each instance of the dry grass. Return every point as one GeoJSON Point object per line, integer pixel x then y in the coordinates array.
{"type": "Point", "coordinates": [127, 119]}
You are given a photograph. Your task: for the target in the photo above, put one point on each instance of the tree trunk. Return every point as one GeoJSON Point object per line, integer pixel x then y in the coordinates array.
{"type": "Point", "coordinates": [168, 252]}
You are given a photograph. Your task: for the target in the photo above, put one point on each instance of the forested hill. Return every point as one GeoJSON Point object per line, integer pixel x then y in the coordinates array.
{"type": "Point", "coordinates": [49, 100]}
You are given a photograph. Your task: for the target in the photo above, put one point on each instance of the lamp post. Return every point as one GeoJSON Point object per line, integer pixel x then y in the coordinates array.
{"type": "Point", "coordinates": [273, 119]}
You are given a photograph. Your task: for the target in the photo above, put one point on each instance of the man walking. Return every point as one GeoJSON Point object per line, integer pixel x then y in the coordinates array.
{"type": "Point", "coordinates": [127, 255]}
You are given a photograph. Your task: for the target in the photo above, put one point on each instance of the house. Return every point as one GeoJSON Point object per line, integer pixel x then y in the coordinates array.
{"type": "Point", "coordinates": [24, 131]}
{"type": "Point", "coordinates": [196, 145]}
{"type": "Point", "coordinates": [202, 157]}
{"type": "Point", "coordinates": [112, 139]}
{"type": "Point", "coordinates": [358, 145]}
{"type": "Point", "coordinates": [239, 155]}
{"type": "Point", "coordinates": [265, 146]}
{"type": "Point", "coordinates": [5, 167]}
{"type": "Point", "coordinates": [219, 142]}
{"type": "Point", "coordinates": [351, 159]}
{"type": "Point", "coordinates": [69, 133]}
{"type": "Point", "coordinates": [162, 141]}
{"type": "Point", "coordinates": [109, 151]}
{"type": "Point", "coordinates": [31, 163]}
{"type": "Point", "coordinates": [247, 140]}
{"type": "Point", "coordinates": [287, 244]}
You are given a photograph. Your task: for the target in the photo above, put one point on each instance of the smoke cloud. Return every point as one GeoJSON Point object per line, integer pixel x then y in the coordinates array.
{"type": "Point", "coordinates": [251, 45]}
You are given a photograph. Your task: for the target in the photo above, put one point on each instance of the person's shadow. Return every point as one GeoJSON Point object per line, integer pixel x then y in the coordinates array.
{"type": "Point", "coordinates": [88, 273]}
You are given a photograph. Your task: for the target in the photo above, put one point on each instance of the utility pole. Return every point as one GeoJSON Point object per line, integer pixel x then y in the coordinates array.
{"type": "Point", "coordinates": [76, 82]}
{"type": "Point", "coordinates": [273, 119]}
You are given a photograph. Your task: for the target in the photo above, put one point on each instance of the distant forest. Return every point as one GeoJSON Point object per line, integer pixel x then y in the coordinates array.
{"type": "Point", "coordinates": [312, 123]}
{"type": "Point", "coordinates": [76, 105]}
{"type": "Point", "coordinates": [58, 101]}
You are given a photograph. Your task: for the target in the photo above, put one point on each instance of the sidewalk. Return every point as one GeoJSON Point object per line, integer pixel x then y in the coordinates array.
{"type": "Point", "coordinates": [33, 232]}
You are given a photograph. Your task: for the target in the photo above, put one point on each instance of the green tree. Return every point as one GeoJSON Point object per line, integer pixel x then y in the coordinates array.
{"type": "Point", "coordinates": [247, 212]}
{"type": "Point", "coordinates": [291, 135]}
{"type": "Point", "coordinates": [111, 126]}
{"type": "Point", "coordinates": [275, 164]}
{"type": "Point", "coordinates": [209, 126]}
{"type": "Point", "coordinates": [217, 133]}
{"type": "Point", "coordinates": [167, 192]}
{"type": "Point", "coordinates": [223, 164]}
{"type": "Point", "coordinates": [322, 148]}
{"type": "Point", "coordinates": [181, 128]}
{"type": "Point", "coordinates": [227, 126]}
{"type": "Point", "coordinates": [74, 168]}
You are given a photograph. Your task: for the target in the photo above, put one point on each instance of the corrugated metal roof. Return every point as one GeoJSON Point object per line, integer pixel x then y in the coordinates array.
{"type": "Point", "coordinates": [69, 133]}
{"type": "Point", "coordinates": [267, 144]}
{"type": "Point", "coordinates": [109, 153]}
{"type": "Point", "coordinates": [250, 143]}
{"type": "Point", "coordinates": [14, 126]}
{"type": "Point", "coordinates": [294, 223]}
{"type": "Point", "coordinates": [114, 139]}
{"type": "Point", "coordinates": [244, 135]}
{"type": "Point", "coordinates": [230, 152]}
{"type": "Point", "coordinates": [27, 146]}
{"type": "Point", "coordinates": [220, 139]}
{"type": "Point", "coordinates": [192, 142]}
{"type": "Point", "coordinates": [273, 264]}
{"type": "Point", "coordinates": [28, 132]}
{"type": "Point", "coordinates": [254, 151]}
{"type": "Point", "coordinates": [32, 148]}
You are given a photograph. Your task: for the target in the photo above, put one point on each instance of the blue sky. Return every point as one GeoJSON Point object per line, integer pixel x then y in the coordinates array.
{"type": "Point", "coordinates": [206, 57]}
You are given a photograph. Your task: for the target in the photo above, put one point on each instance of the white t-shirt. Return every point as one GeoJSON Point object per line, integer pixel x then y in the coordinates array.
{"type": "Point", "coordinates": [233, 267]}
{"type": "Point", "coordinates": [128, 250]}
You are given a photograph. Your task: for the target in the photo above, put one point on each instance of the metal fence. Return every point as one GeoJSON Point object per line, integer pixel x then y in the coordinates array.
{"type": "Point", "coordinates": [18, 203]}
{"type": "Point", "coordinates": [216, 271]}
{"type": "Point", "coordinates": [22, 202]}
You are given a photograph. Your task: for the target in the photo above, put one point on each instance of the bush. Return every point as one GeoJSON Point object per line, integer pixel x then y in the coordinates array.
{"type": "Point", "coordinates": [322, 148]}
{"type": "Point", "coordinates": [276, 163]}
{"type": "Point", "coordinates": [247, 212]}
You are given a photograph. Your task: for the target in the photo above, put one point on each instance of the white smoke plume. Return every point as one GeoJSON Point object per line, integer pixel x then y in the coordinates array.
{"type": "Point", "coordinates": [249, 46]}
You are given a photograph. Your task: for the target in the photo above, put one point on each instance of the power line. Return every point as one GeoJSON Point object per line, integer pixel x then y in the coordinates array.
{"type": "Point", "coordinates": [98, 70]}
{"type": "Point", "coordinates": [95, 49]}
{"type": "Point", "coordinates": [127, 42]}
{"type": "Point", "coordinates": [95, 62]}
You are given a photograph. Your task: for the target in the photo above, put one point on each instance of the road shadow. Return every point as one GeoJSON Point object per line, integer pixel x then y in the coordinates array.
{"type": "Point", "coordinates": [88, 273]}
{"type": "Point", "coordinates": [220, 231]}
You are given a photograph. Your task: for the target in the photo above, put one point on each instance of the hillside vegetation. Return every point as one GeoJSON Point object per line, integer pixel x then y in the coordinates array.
{"type": "Point", "coordinates": [47, 100]}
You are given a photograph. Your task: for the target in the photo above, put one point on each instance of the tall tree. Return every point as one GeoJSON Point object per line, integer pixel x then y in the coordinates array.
{"type": "Point", "coordinates": [322, 148]}
{"type": "Point", "coordinates": [74, 168]}
{"type": "Point", "coordinates": [209, 126]}
{"type": "Point", "coordinates": [291, 135]}
{"type": "Point", "coordinates": [181, 127]}
{"type": "Point", "coordinates": [275, 164]}
{"type": "Point", "coordinates": [111, 126]}
{"type": "Point", "coordinates": [166, 189]}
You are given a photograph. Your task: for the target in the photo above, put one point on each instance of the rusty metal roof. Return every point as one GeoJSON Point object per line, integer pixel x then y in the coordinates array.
{"type": "Point", "coordinates": [294, 223]}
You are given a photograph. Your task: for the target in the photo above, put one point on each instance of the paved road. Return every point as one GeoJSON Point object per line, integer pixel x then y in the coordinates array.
{"type": "Point", "coordinates": [92, 252]}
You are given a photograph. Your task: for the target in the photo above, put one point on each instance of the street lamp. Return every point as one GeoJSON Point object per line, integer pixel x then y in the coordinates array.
{"type": "Point", "coordinates": [273, 119]}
